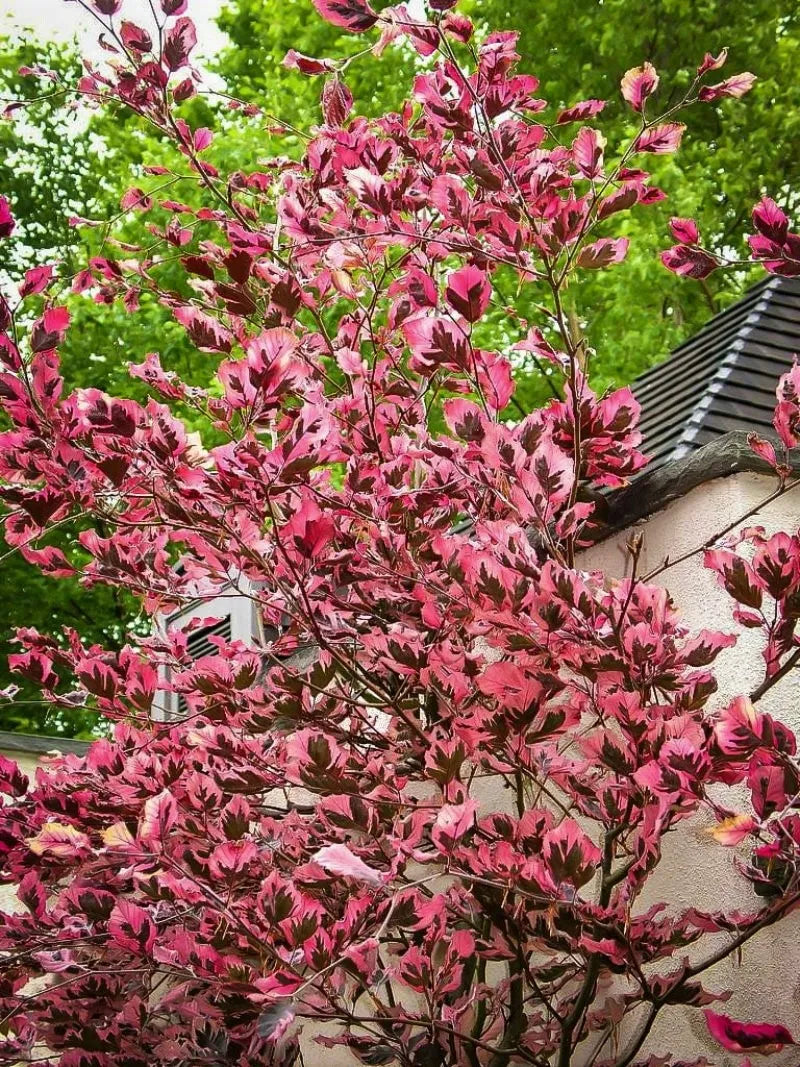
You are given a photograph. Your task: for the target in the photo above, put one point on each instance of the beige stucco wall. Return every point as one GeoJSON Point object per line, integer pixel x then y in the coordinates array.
{"type": "Point", "coordinates": [695, 870]}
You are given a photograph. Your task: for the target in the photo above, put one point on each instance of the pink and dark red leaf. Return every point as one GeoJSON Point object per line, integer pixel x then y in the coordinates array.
{"type": "Point", "coordinates": [638, 84]}
{"type": "Point", "coordinates": [763, 448]}
{"type": "Point", "coordinates": [204, 331]}
{"type": "Point", "coordinates": [135, 199]}
{"type": "Point", "coordinates": [579, 112]}
{"type": "Point", "coordinates": [159, 816]}
{"type": "Point", "coordinates": [712, 62]}
{"type": "Point", "coordinates": [180, 39]}
{"type": "Point", "coordinates": [770, 221]}
{"type": "Point", "coordinates": [570, 855]}
{"type": "Point", "coordinates": [131, 928]}
{"type": "Point", "coordinates": [737, 732]}
{"type": "Point", "coordinates": [660, 139]}
{"type": "Point", "coordinates": [587, 151]}
{"type": "Point", "coordinates": [762, 1038]}
{"type": "Point", "coordinates": [603, 253]}
{"type": "Point", "coordinates": [684, 230]}
{"type": "Point", "coordinates": [769, 790]}
{"type": "Point", "coordinates": [36, 281]}
{"type": "Point", "coordinates": [12, 781]}
{"type": "Point", "coordinates": [134, 37]}
{"type": "Point", "coordinates": [786, 419]}
{"type": "Point", "coordinates": [468, 292]}
{"type": "Point", "coordinates": [307, 64]}
{"type": "Point", "coordinates": [337, 102]}
{"type": "Point", "coordinates": [48, 332]}
{"type": "Point", "coordinates": [689, 262]}
{"type": "Point", "coordinates": [353, 15]}
{"type": "Point", "coordinates": [734, 87]}
{"type": "Point", "coordinates": [452, 823]}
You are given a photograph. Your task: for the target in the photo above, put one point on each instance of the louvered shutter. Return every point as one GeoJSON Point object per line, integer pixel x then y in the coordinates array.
{"type": "Point", "coordinates": [234, 619]}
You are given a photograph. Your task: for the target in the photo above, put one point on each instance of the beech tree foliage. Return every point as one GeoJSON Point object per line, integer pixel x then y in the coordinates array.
{"type": "Point", "coordinates": [415, 815]}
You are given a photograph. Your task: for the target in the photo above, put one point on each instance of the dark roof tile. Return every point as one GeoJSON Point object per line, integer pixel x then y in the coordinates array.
{"type": "Point", "coordinates": [723, 379]}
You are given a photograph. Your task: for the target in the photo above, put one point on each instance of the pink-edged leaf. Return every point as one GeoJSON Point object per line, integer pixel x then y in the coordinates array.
{"type": "Point", "coordinates": [570, 855]}
{"type": "Point", "coordinates": [7, 222]}
{"type": "Point", "coordinates": [353, 15]}
{"type": "Point", "coordinates": [36, 281]}
{"type": "Point", "coordinates": [49, 330]}
{"type": "Point", "coordinates": [603, 253]}
{"type": "Point", "coordinates": [458, 26]}
{"type": "Point", "coordinates": [202, 138]}
{"type": "Point", "coordinates": [733, 830]}
{"type": "Point", "coordinates": [338, 859]}
{"type": "Point", "coordinates": [660, 139]}
{"type": "Point", "coordinates": [107, 7]}
{"type": "Point", "coordinates": [160, 815]}
{"type": "Point", "coordinates": [307, 64]}
{"type": "Point", "coordinates": [684, 230]}
{"type": "Point", "coordinates": [179, 41]}
{"type": "Point", "coordinates": [770, 221]}
{"type": "Point", "coordinates": [763, 1038]}
{"type": "Point", "coordinates": [735, 87]}
{"type": "Point", "coordinates": [231, 858]}
{"type": "Point", "coordinates": [712, 62]}
{"type": "Point", "coordinates": [469, 291]}
{"type": "Point", "coordinates": [174, 7]}
{"type": "Point", "coordinates": [204, 331]}
{"type": "Point", "coordinates": [134, 37]}
{"type": "Point", "coordinates": [579, 112]}
{"type": "Point", "coordinates": [587, 152]}
{"type": "Point", "coordinates": [688, 262]}
{"type": "Point", "coordinates": [638, 84]}
{"type": "Point", "coordinates": [495, 379]}
{"type": "Point", "coordinates": [737, 732]}
{"type": "Point", "coordinates": [135, 199]}
{"type": "Point", "coordinates": [131, 928]}
{"type": "Point", "coordinates": [465, 419]}
{"type": "Point", "coordinates": [453, 822]}
{"type": "Point", "coordinates": [337, 102]}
